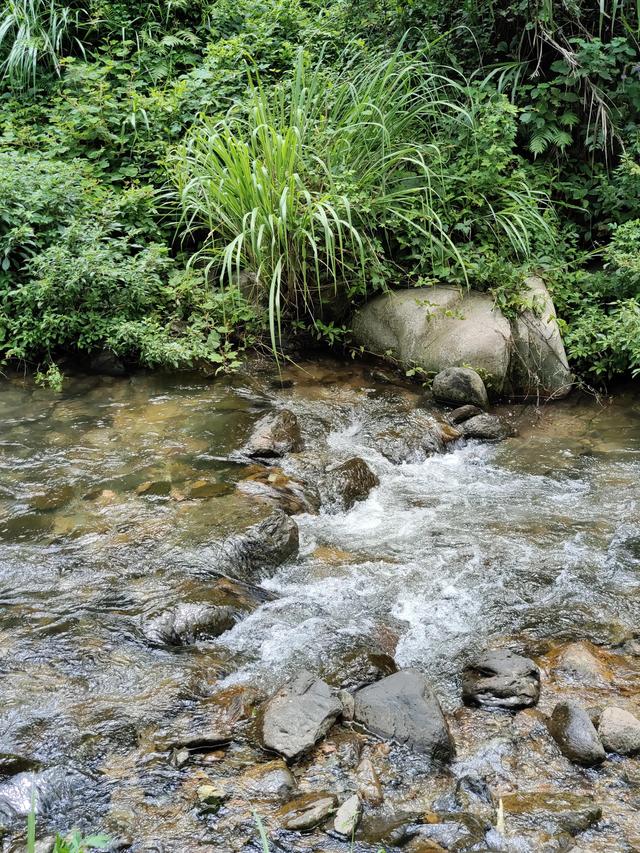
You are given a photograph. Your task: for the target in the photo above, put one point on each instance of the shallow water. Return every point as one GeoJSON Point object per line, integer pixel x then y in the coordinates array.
{"type": "Point", "coordinates": [101, 526]}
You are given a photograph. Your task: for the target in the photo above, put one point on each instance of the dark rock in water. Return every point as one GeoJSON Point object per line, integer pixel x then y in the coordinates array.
{"type": "Point", "coordinates": [299, 715]}
{"type": "Point", "coordinates": [270, 781]}
{"type": "Point", "coordinates": [107, 363]}
{"type": "Point", "coordinates": [499, 678]}
{"type": "Point", "coordinates": [11, 764]}
{"type": "Point", "coordinates": [47, 789]}
{"type": "Point", "coordinates": [411, 436]}
{"type": "Point", "coordinates": [274, 435]}
{"type": "Point", "coordinates": [188, 623]}
{"type": "Point", "coordinates": [463, 413]}
{"type": "Point", "coordinates": [573, 731]}
{"type": "Point", "coordinates": [359, 667]}
{"type": "Point", "coordinates": [350, 482]}
{"type": "Point", "coordinates": [404, 708]}
{"type": "Point", "coordinates": [307, 811]}
{"type": "Point", "coordinates": [262, 546]}
{"type": "Point", "coordinates": [461, 386]}
{"type": "Point", "coordinates": [272, 485]}
{"type": "Point", "coordinates": [620, 731]}
{"type": "Point", "coordinates": [485, 427]}
{"type": "Point", "coordinates": [554, 812]}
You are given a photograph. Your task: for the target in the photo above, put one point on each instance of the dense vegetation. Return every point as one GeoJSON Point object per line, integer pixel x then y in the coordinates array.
{"type": "Point", "coordinates": [179, 179]}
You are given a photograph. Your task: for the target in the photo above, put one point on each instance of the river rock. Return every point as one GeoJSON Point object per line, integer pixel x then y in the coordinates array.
{"type": "Point", "coordinates": [272, 485]}
{"type": "Point", "coordinates": [347, 816]}
{"type": "Point", "coordinates": [484, 427]}
{"type": "Point", "coordinates": [274, 435]}
{"type": "Point", "coordinates": [46, 788]}
{"type": "Point", "coordinates": [404, 708]}
{"type": "Point", "coordinates": [270, 781]}
{"type": "Point", "coordinates": [188, 623]}
{"type": "Point", "coordinates": [359, 667]}
{"type": "Point", "coordinates": [577, 662]}
{"type": "Point", "coordinates": [307, 812]}
{"type": "Point", "coordinates": [460, 386]}
{"type": "Point", "coordinates": [106, 363]}
{"type": "Point", "coordinates": [619, 731]}
{"type": "Point", "coordinates": [349, 482]}
{"type": "Point", "coordinates": [499, 678]}
{"type": "Point", "coordinates": [369, 787]}
{"type": "Point", "coordinates": [439, 327]}
{"type": "Point", "coordinates": [575, 734]}
{"type": "Point", "coordinates": [299, 715]}
{"type": "Point", "coordinates": [261, 546]}
{"type": "Point", "coordinates": [555, 812]}
{"type": "Point", "coordinates": [410, 436]}
{"type": "Point", "coordinates": [463, 413]}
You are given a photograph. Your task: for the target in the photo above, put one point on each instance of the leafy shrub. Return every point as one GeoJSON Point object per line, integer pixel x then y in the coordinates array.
{"type": "Point", "coordinates": [319, 185]}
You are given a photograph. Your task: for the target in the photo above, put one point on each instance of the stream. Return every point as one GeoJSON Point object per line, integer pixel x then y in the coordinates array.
{"type": "Point", "coordinates": [113, 494]}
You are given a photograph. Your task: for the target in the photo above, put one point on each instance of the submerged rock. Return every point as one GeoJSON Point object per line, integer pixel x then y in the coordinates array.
{"type": "Point", "coordinates": [440, 327]}
{"type": "Point", "coordinates": [307, 812]}
{"type": "Point", "coordinates": [359, 667]}
{"type": "Point", "coordinates": [263, 545]}
{"type": "Point", "coordinates": [577, 662]}
{"type": "Point", "coordinates": [349, 482]}
{"type": "Point", "coordinates": [460, 386]}
{"type": "Point", "coordinates": [619, 731]}
{"type": "Point", "coordinates": [274, 486]}
{"type": "Point", "coordinates": [274, 435]}
{"type": "Point", "coordinates": [188, 623]}
{"type": "Point", "coordinates": [299, 715]}
{"type": "Point", "coordinates": [499, 678]}
{"type": "Point", "coordinates": [41, 790]}
{"type": "Point", "coordinates": [554, 813]}
{"type": "Point", "coordinates": [404, 708]}
{"type": "Point", "coordinates": [575, 734]}
{"type": "Point", "coordinates": [411, 436]}
{"type": "Point", "coordinates": [485, 427]}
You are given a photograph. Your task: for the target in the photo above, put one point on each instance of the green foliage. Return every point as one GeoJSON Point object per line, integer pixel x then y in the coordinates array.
{"type": "Point", "coordinates": [321, 185]}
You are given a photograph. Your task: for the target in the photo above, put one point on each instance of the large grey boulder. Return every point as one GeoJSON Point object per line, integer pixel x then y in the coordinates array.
{"type": "Point", "coordinates": [575, 734]}
{"type": "Point", "coordinates": [499, 678]}
{"type": "Point", "coordinates": [440, 327]}
{"type": "Point", "coordinates": [299, 715]}
{"type": "Point", "coordinates": [403, 707]}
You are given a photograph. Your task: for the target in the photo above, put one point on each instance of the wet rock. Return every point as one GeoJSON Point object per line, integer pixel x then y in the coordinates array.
{"type": "Point", "coordinates": [46, 788]}
{"type": "Point", "coordinates": [107, 363]}
{"type": "Point", "coordinates": [573, 731]}
{"type": "Point", "coordinates": [299, 715]}
{"type": "Point", "coordinates": [11, 764]}
{"type": "Point", "coordinates": [203, 489]}
{"type": "Point", "coordinates": [473, 795]}
{"type": "Point", "coordinates": [53, 499]}
{"type": "Point", "coordinates": [270, 781]}
{"type": "Point", "coordinates": [485, 427]}
{"type": "Point", "coordinates": [463, 413]}
{"type": "Point", "coordinates": [274, 486]}
{"type": "Point", "coordinates": [404, 708]}
{"type": "Point", "coordinates": [499, 678]}
{"type": "Point", "coordinates": [212, 795]}
{"type": "Point", "coordinates": [577, 662]}
{"type": "Point", "coordinates": [263, 545]}
{"type": "Point", "coordinates": [154, 488]}
{"type": "Point", "coordinates": [619, 731]}
{"type": "Point", "coordinates": [455, 832]}
{"type": "Point", "coordinates": [555, 812]}
{"type": "Point", "coordinates": [188, 623]}
{"type": "Point", "coordinates": [369, 787]}
{"type": "Point", "coordinates": [274, 435]}
{"type": "Point", "coordinates": [347, 816]}
{"type": "Point", "coordinates": [359, 667]}
{"type": "Point", "coordinates": [348, 704]}
{"type": "Point", "coordinates": [460, 386]}
{"type": "Point", "coordinates": [350, 482]}
{"type": "Point", "coordinates": [411, 436]}
{"type": "Point", "coordinates": [307, 812]}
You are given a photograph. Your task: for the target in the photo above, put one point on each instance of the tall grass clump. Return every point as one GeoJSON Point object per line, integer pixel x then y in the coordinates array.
{"type": "Point", "coordinates": [35, 33]}
{"type": "Point", "coordinates": [326, 184]}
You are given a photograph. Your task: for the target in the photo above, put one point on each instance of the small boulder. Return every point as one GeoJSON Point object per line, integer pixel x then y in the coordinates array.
{"type": "Point", "coordinates": [261, 546]}
{"type": "Point", "coordinates": [464, 413]}
{"type": "Point", "coordinates": [349, 482]}
{"type": "Point", "coordinates": [42, 791]}
{"type": "Point", "coordinates": [484, 427]}
{"type": "Point", "coordinates": [499, 678]}
{"type": "Point", "coordinates": [188, 623]}
{"type": "Point", "coordinates": [307, 812]}
{"type": "Point", "coordinates": [577, 662]}
{"type": "Point", "coordinates": [274, 435]}
{"type": "Point", "coordinates": [619, 731]}
{"type": "Point", "coordinates": [358, 667]}
{"type": "Point", "coordinates": [460, 386]}
{"type": "Point", "coordinates": [347, 816]}
{"type": "Point", "coordinates": [404, 708]}
{"type": "Point", "coordinates": [299, 715]}
{"type": "Point", "coordinates": [575, 734]}
{"type": "Point", "coordinates": [369, 787]}
{"type": "Point", "coordinates": [270, 781]}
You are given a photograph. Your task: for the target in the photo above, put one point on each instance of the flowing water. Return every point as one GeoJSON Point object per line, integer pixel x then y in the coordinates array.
{"type": "Point", "coordinates": [113, 492]}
